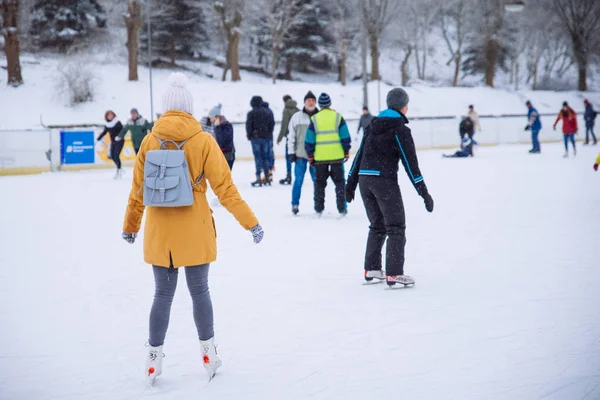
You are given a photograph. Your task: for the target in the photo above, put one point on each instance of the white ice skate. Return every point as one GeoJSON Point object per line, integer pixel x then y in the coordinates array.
{"type": "Point", "coordinates": [376, 274]}
{"type": "Point", "coordinates": [212, 362]}
{"type": "Point", "coordinates": [154, 363]}
{"type": "Point", "coordinates": [401, 279]}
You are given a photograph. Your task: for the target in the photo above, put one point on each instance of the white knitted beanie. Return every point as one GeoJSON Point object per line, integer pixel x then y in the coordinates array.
{"type": "Point", "coordinates": [177, 97]}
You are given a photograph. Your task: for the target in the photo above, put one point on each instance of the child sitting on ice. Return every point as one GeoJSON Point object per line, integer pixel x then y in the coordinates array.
{"type": "Point", "coordinates": [465, 151]}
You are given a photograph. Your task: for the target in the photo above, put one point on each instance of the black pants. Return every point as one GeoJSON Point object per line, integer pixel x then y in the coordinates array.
{"type": "Point", "coordinates": [115, 151]}
{"type": "Point", "coordinates": [385, 210]}
{"type": "Point", "coordinates": [322, 173]}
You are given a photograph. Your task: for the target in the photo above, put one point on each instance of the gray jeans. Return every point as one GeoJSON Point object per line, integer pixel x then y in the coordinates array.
{"type": "Point", "coordinates": [165, 280]}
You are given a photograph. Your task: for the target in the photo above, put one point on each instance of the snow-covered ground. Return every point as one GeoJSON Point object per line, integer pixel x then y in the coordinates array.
{"type": "Point", "coordinates": [40, 97]}
{"type": "Point", "coordinates": [506, 303]}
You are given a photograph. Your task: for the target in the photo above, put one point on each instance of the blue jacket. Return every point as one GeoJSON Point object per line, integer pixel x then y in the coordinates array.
{"type": "Point", "coordinates": [224, 136]}
{"type": "Point", "coordinates": [589, 116]}
{"type": "Point", "coordinates": [534, 119]}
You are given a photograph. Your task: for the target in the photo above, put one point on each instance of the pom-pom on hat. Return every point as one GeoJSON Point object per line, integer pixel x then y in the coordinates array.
{"type": "Point", "coordinates": [177, 97]}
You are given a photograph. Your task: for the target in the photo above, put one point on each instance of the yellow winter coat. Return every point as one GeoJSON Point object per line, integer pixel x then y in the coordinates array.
{"type": "Point", "coordinates": [185, 236]}
{"type": "Point", "coordinates": [598, 159]}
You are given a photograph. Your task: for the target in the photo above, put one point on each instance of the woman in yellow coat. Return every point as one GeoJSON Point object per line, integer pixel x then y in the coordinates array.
{"type": "Point", "coordinates": [184, 236]}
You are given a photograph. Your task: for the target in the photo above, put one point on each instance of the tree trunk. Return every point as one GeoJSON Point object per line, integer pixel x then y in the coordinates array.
{"type": "Point", "coordinates": [288, 67]}
{"type": "Point", "coordinates": [517, 68]}
{"type": "Point", "coordinates": [343, 70]}
{"type": "Point", "coordinates": [10, 16]}
{"type": "Point", "coordinates": [582, 85]}
{"type": "Point", "coordinates": [491, 59]}
{"type": "Point", "coordinates": [274, 64]}
{"type": "Point", "coordinates": [582, 62]}
{"type": "Point", "coordinates": [405, 66]}
{"type": "Point", "coordinates": [418, 60]}
{"type": "Point", "coordinates": [234, 56]}
{"type": "Point", "coordinates": [133, 21]}
{"type": "Point", "coordinates": [172, 52]}
{"type": "Point", "coordinates": [457, 63]}
{"type": "Point", "coordinates": [534, 73]}
{"type": "Point", "coordinates": [374, 42]}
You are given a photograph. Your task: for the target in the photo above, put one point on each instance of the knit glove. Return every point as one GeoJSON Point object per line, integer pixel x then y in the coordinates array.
{"type": "Point", "coordinates": [595, 167]}
{"type": "Point", "coordinates": [311, 161]}
{"type": "Point", "coordinates": [129, 237]}
{"type": "Point", "coordinates": [118, 139]}
{"type": "Point", "coordinates": [346, 156]}
{"type": "Point", "coordinates": [293, 158]}
{"type": "Point", "coordinates": [554, 127]}
{"type": "Point", "coordinates": [428, 202]}
{"type": "Point", "coordinates": [257, 234]}
{"type": "Point", "coordinates": [528, 127]}
{"type": "Point", "coordinates": [349, 194]}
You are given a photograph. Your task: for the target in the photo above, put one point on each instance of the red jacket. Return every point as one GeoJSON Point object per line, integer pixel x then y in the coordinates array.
{"type": "Point", "coordinates": [569, 122]}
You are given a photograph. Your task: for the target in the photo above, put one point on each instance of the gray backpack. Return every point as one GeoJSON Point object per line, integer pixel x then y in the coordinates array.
{"type": "Point", "coordinates": [167, 180]}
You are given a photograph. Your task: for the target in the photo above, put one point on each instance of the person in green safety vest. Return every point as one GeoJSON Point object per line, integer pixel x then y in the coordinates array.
{"type": "Point", "coordinates": [327, 145]}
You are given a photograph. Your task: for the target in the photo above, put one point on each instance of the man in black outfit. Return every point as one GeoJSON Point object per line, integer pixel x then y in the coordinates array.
{"type": "Point", "coordinates": [387, 142]}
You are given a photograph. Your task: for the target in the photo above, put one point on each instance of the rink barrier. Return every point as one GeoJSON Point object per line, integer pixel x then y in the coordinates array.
{"type": "Point", "coordinates": [35, 151]}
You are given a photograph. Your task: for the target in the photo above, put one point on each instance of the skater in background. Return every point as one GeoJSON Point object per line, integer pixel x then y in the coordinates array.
{"type": "Point", "coordinates": [597, 163]}
{"type": "Point", "coordinates": [465, 129]}
{"type": "Point", "coordinates": [139, 127]}
{"type": "Point", "coordinates": [259, 131]}
{"type": "Point", "coordinates": [534, 124]}
{"type": "Point", "coordinates": [296, 147]}
{"type": "Point", "coordinates": [290, 108]}
{"type": "Point", "coordinates": [223, 134]}
{"type": "Point", "coordinates": [365, 120]}
{"type": "Point", "coordinates": [207, 126]}
{"type": "Point", "coordinates": [590, 119]}
{"type": "Point", "coordinates": [569, 127]}
{"type": "Point", "coordinates": [327, 146]}
{"type": "Point", "coordinates": [476, 123]}
{"type": "Point", "coordinates": [271, 142]}
{"type": "Point", "coordinates": [466, 150]}
{"type": "Point", "coordinates": [387, 142]}
{"type": "Point", "coordinates": [177, 237]}
{"type": "Point", "coordinates": [114, 127]}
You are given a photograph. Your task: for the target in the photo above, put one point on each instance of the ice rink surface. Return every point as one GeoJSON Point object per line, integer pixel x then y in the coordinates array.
{"type": "Point", "coordinates": [506, 303]}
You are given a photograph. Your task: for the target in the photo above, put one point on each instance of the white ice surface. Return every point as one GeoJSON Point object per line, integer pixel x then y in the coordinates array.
{"type": "Point", "coordinates": [506, 304]}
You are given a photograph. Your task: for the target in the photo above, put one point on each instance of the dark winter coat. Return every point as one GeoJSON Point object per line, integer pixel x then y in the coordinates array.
{"type": "Point", "coordinates": [291, 108]}
{"type": "Point", "coordinates": [365, 121]}
{"type": "Point", "coordinates": [272, 127]}
{"type": "Point", "coordinates": [113, 129]}
{"type": "Point", "coordinates": [260, 122]}
{"type": "Point", "coordinates": [139, 129]}
{"type": "Point", "coordinates": [224, 136]}
{"type": "Point", "coordinates": [589, 116]}
{"type": "Point", "coordinates": [387, 141]}
{"type": "Point", "coordinates": [466, 127]}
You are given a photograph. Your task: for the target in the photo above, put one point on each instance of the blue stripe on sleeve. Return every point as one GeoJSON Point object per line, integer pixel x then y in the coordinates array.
{"type": "Point", "coordinates": [415, 180]}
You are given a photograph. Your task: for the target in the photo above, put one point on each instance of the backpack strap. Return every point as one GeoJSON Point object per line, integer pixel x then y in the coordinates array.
{"type": "Point", "coordinates": [163, 143]}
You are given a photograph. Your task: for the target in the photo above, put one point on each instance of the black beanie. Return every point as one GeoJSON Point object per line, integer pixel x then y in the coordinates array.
{"type": "Point", "coordinates": [310, 95]}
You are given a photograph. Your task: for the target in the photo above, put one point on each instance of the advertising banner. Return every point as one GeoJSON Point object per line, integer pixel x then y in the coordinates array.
{"type": "Point", "coordinates": [77, 147]}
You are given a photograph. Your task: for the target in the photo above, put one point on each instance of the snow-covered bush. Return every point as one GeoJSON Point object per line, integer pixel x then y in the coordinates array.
{"type": "Point", "coordinates": [77, 80]}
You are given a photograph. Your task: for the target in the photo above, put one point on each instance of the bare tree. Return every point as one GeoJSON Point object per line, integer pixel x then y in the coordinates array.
{"type": "Point", "coordinates": [344, 26]}
{"type": "Point", "coordinates": [376, 16]}
{"type": "Point", "coordinates": [453, 19]}
{"type": "Point", "coordinates": [10, 18]}
{"type": "Point", "coordinates": [133, 22]}
{"type": "Point", "coordinates": [231, 14]}
{"type": "Point", "coordinates": [423, 14]}
{"type": "Point", "coordinates": [281, 18]}
{"type": "Point", "coordinates": [581, 19]}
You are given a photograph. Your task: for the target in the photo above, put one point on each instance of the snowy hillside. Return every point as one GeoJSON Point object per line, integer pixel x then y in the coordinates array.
{"type": "Point", "coordinates": [39, 96]}
{"type": "Point", "coordinates": [505, 306]}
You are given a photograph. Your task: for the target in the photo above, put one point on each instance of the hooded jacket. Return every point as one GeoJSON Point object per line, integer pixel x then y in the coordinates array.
{"type": "Point", "coordinates": [589, 116]}
{"type": "Point", "coordinates": [224, 135]}
{"type": "Point", "coordinates": [260, 122]}
{"type": "Point", "coordinates": [185, 236]}
{"type": "Point", "coordinates": [466, 126]}
{"type": "Point", "coordinates": [139, 129]}
{"type": "Point", "coordinates": [291, 108]}
{"type": "Point", "coordinates": [386, 143]}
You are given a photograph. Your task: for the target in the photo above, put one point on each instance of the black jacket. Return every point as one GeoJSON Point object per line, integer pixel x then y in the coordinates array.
{"type": "Point", "coordinates": [260, 122]}
{"type": "Point", "coordinates": [386, 143]}
{"type": "Point", "coordinates": [112, 130]}
{"type": "Point", "coordinates": [466, 126]}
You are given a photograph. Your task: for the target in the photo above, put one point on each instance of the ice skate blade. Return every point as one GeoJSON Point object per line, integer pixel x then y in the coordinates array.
{"type": "Point", "coordinates": [374, 281]}
{"type": "Point", "coordinates": [399, 286]}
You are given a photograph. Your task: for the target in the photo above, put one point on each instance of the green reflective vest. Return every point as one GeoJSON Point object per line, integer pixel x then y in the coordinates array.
{"type": "Point", "coordinates": [328, 145]}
